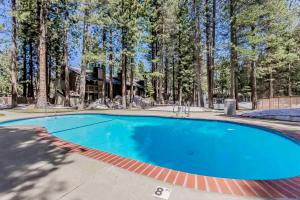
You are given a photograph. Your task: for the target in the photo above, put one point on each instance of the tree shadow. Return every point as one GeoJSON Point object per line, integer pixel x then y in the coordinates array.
{"type": "Point", "coordinates": [24, 160]}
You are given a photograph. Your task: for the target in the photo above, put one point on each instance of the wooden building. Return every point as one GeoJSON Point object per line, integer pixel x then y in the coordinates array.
{"type": "Point", "coordinates": [94, 81]}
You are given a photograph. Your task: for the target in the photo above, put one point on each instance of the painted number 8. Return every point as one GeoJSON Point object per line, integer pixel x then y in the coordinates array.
{"type": "Point", "coordinates": [159, 191]}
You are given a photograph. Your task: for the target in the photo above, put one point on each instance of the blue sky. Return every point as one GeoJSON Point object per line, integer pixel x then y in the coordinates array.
{"type": "Point", "coordinates": [5, 19]}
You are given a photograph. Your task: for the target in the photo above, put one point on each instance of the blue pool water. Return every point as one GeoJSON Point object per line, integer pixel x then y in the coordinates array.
{"type": "Point", "coordinates": [211, 148]}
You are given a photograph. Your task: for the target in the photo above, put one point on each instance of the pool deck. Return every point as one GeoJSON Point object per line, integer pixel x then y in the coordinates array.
{"type": "Point", "coordinates": [36, 168]}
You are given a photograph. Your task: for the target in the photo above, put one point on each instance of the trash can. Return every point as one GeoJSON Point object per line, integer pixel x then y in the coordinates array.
{"type": "Point", "coordinates": [230, 107]}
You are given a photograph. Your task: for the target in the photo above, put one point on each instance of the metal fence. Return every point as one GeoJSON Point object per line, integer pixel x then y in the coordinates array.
{"type": "Point", "coordinates": [279, 102]}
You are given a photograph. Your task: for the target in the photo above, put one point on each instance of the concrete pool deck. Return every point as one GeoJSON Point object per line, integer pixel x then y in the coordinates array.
{"type": "Point", "coordinates": [35, 169]}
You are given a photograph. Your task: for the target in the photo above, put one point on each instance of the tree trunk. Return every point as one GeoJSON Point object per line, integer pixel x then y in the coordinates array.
{"type": "Point", "coordinates": [31, 75]}
{"type": "Point", "coordinates": [111, 65]}
{"type": "Point", "coordinates": [103, 67]}
{"type": "Point", "coordinates": [236, 89]}
{"type": "Point", "coordinates": [213, 46]}
{"type": "Point", "coordinates": [198, 53]}
{"type": "Point", "coordinates": [253, 77]}
{"type": "Point", "coordinates": [179, 94]}
{"type": "Point", "coordinates": [166, 78]}
{"type": "Point", "coordinates": [84, 61]}
{"type": "Point", "coordinates": [123, 60]}
{"type": "Point", "coordinates": [131, 79]}
{"type": "Point", "coordinates": [103, 82]}
{"type": "Point", "coordinates": [14, 91]}
{"type": "Point", "coordinates": [271, 83]}
{"type": "Point", "coordinates": [162, 61]}
{"type": "Point", "coordinates": [233, 53]}
{"type": "Point", "coordinates": [57, 81]}
{"type": "Point", "coordinates": [24, 70]}
{"type": "Point", "coordinates": [173, 80]}
{"type": "Point", "coordinates": [209, 54]}
{"type": "Point", "coordinates": [42, 92]}
{"type": "Point", "coordinates": [290, 93]}
{"type": "Point", "coordinates": [48, 71]}
{"type": "Point", "coordinates": [65, 61]}
{"type": "Point", "coordinates": [124, 64]}
{"type": "Point", "coordinates": [253, 88]}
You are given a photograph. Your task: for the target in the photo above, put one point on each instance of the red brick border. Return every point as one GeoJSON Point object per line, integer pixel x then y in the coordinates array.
{"type": "Point", "coordinates": [284, 188]}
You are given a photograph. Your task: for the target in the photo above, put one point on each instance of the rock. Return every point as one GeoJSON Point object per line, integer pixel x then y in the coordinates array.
{"type": "Point", "coordinates": [133, 104]}
{"type": "Point", "coordinates": [147, 103]}
{"type": "Point", "coordinates": [98, 104]}
{"type": "Point", "coordinates": [138, 102]}
{"type": "Point", "coordinates": [101, 107]}
{"type": "Point", "coordinates": [117, 105]}
{"type": "Point", "coordinates": [142, 102]}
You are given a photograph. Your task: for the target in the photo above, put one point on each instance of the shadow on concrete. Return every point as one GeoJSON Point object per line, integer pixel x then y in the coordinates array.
{"type": "Point", "coordinates": [24, 160]}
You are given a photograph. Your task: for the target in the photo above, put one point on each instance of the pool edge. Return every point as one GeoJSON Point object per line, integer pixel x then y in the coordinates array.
{"type": "Point", "coordinates": [282, 188]}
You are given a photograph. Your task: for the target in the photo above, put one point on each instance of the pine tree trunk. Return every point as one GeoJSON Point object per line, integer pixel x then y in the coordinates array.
{"type": "Point", "coordinates": [111, 66]}
{"type": "Point", "coordinates": [166, 79]}
{"type": "Point", "coordinates": [103, 83]}
{"type": "Point", "coordinates": [290, 93]}
{"type": "Point", "coordinates": [84, 61]}
{"type": "Point", "coordinates": [236, 89]}
{"type": "Point", "coordinates": [271, 83]}
{"type": "Point", "coordinates": [42, 92]}
{"type": "Point", "coordinates": [65, 61]}
{"type": "Point", "coordinates": [162, 61]}
{"type": "Point", "coordinates": [124, 64]}
{"type": "Point", "coordinates": [179, 94]}
{"type": "Point", "coordinates": [233, 54]}
{"type": "Point", "coordinates": [57, 78]}
{"type": "Point", "coordinates": [31, 75]}
{"type": "Point", "coordinates": [48, 71]}
{"type": "Point", "coordinates": [209, 54]}
{"type": "Point", "coordinates": [14, 91]}
{"type": "Point", "coordinates": [131, 79]}
{"type": "Point", "coordinates": [213, 47]}
{"type": "Point", "coordinates": [153, 67]}
{"type": "Point", "coordinates": [253, 88]}
{"type": "Point", "coordinates": [24, 70]}
{"type": "Point", "coordinates": [198, 53]}
{"type": "Point", "coordinates": [103, 67]}
{"type": "Point", "coordinates": [173, 80]}
{"type": "Point", "coordinates": [253, 77]}
{"type": "Point", "coordinates": [123, 61]}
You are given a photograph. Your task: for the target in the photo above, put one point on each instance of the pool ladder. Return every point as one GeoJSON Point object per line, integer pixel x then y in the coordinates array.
{"type": "Point", "coordinates": [178, 109]}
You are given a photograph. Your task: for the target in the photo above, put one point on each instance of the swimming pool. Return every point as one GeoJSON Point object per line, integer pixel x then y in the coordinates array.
{"type": "Point", "coordinates": [204, 147]}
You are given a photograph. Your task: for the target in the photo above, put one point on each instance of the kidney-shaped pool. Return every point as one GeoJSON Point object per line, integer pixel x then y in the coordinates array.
{"type": "Point", "coordinates": [203, 147]}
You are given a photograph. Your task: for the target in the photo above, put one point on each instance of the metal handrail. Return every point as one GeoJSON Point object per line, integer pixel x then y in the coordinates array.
{"type": "Point", "coordinates": [186, 108]}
